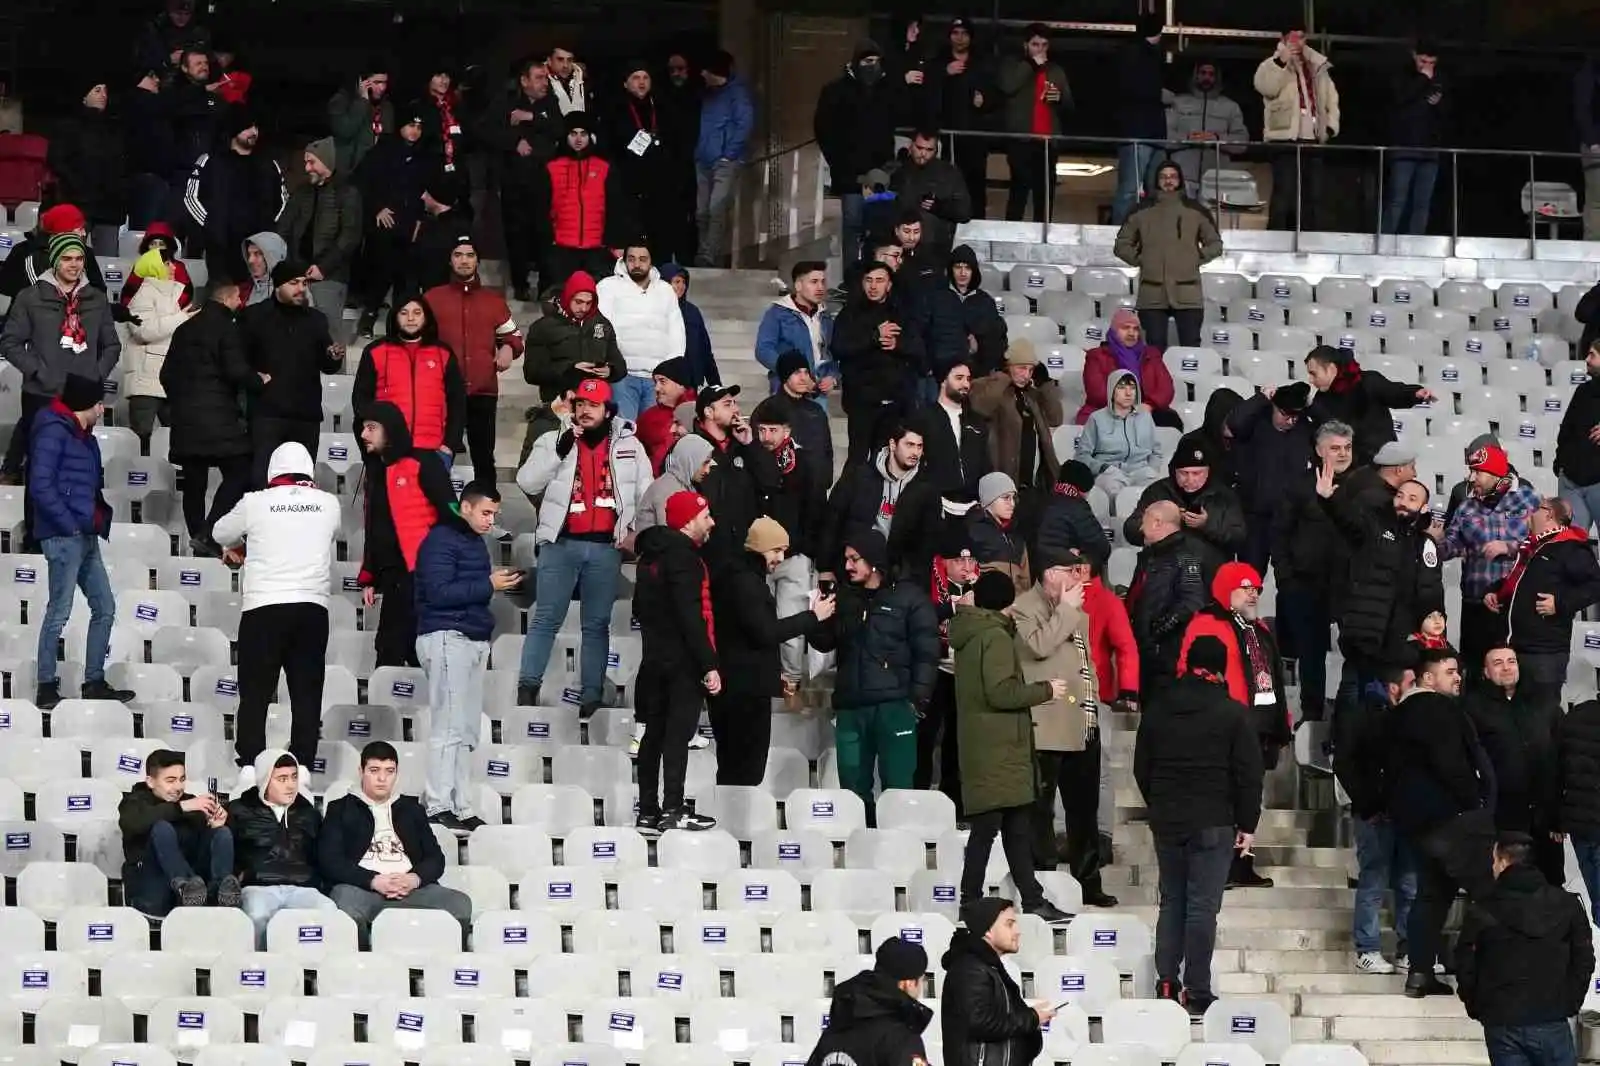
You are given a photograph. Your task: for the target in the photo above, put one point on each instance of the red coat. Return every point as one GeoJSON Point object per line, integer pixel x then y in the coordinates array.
{"type": "Point", "coordinates": [1155, 380]}
{"type": "Point", "coordinates": [653, 427]}
{"type": "Point", "coordinates": [1116, 653]}
{"type": "Point", "coordinates": [473, 321]}
{"type": "Point", "coordinates": [578, 200]}
{"type": "Point", "coordinates": [423, 380]}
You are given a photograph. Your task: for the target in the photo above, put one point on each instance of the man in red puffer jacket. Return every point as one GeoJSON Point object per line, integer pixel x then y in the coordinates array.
{"type": "Point", "coordinates": [409, 368]}
{"type": "Point", "coordinates": [476, 324]}
{"type": "Point", "coordinates": [588, 209]}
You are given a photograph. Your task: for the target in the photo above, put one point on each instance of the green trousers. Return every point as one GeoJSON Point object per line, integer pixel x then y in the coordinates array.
{"type": "Point", "coordinates": [881, 737]}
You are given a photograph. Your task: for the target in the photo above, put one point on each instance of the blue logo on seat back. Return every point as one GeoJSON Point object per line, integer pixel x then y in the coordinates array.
{"type": "Point", "coordinates": [1072, 982]}
{"type": "Point", "coordinates": [1243, 1023]}
{"type": "Point", "coordinates": [1105, 938]}
{"type": "Point", "coordinates": [514, 934]}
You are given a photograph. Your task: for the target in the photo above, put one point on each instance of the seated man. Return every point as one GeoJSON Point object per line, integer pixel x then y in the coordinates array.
{"type": "Point", "coordinates": [275, 829]}
{"type": "Point", "coordinates": [168, 834]}
{"type": "Point", "coordinates": [378, 851]}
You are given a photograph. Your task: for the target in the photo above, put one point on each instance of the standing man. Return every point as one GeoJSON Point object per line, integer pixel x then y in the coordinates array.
{"type": "Point", "coordinates": [881, 354]}
{"type": "Point", "coordinates": [1168, 588]}
{"type": "Point", "coordinates": [1169, 239]}
{"type": "Point", "coordinates": [875, 1018]}
{"type": "Point", "coordinates": [632, 132]}
{"type": "Point", "coordinates": [288, 345]}
{"type": "Point", "coordinates": [1554, 579]}
{"type": "Point", "coordinates": [288, 528]}
{"type": "Point", "coordinates": [936, 189]}
{"type": "Point", "coordinates": [591, 476]}
{"type": "Point", "coordinates": [674, 384]}
{"type": "Point", "coordinates": [359, 116]}
{"type": "Point", "coordinates": [854, 125]}
{"type": "Point", "coordinates": [528, 130]}
{"type": "Point", "coordinates": [1053, 642]}
{"type": "Point", "coordinates": [981, 320]}
{"type": "Point", "coordinates": [1141, 118]}
{"type": "Point", "coordinates": [322, 224]}
{"type": "Point", "coordinates": [233, 193]}
{"type": "Point", "coordinates": [1485, 533]}
{"type": "Point", "coordinates": [455, 582]}
{"type": "Point", "coordinates": [1524, 961]}
{"type": "Point", "coordinates": [1205, 117]}
{"type": "Point", "coordinates": [1024, 408]}
{"type": "Point", "coordinates": [1271, 451]}
{"type": "Point", "coordinates": [644, 311]}
{"type": "Point", "coordinates": [1198, 764]}
{"type": "Point", "coordinates": [999, 767]}
{"type": "Point", "coordinates": [887, 638]}
{"type": "Point", "coordinates": [955, 571]}
{"type": "Point", "coordinates": [176, 846]}
{"type": "Point", "coordinates": [475, 323]}
{"type": "Point", "coordinates": [1210, 511]}
{"type": "Point", "coordinates": [1577, 462]}
{"type": "Point", "coordinates": [70, 518]}
{"type": "Point", "coordinates": [800, 323]}
{"type": "Point", "coordinates": [960, 78]}
{"type": "Point", "coordinates": [743, 473]}
{"type": "Point", "coordinates": [799, 503]}
{"type": "Point", "coordinates": [1302, 112]}
{"type": "Point", "coordinates": [987, 1019]}
{"type": "Point", "coordinates": [680, 663]}
{"type": "Point", "coordinates": [409, 369]}
{"type": "Point", "coordinates": [275, 828]}
{"type": "Point", "coordinates": [1034, 95]}
{"type": "Point", "coordinates": [587, 209]}
{"type": "Point", "coordinates": [796, 398]}
{"type": "Point", "coordinates": [727, 118]}
{"type": "Point", "coordinates": [207, 380]}
{"type": "Point", "coordinates": [955, 441]}
{"type": "Point", "coordinates": [1417, 123]}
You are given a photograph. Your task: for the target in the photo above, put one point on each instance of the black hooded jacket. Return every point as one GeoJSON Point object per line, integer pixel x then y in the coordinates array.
{"type": "Point", "coordinates": [1223, 534]}
{"type": "Point", "coordinates": [980, 318]}
{"type": "Point", "coordinates": [87, 157]}
{"type": "Point", "coordinates": [854, 125]}
{"type": "Point", "coordinates": [268, 852]}
{"type": "Point", "coordinates": [982, 1015]}
{"type": "Point", "coordinates": [206, 377]}
{"type": "Point", "coordinates": [874, 375]}
{"type": "Point", "coordinates": [291, 344]}
{"type": "Point", "coordinates": [393, 176]}
{"type": "Point", "coordinates": [1268, 460]}
{"type": "Point", "coordinates": [1197, 759]}
{"type": "Point", "coordinates": [672, 602]}
{"type": "Point", "coordinates": [872, 1023]}
{"type": "Point", "coordinates": [1437, 766]}
{"type": "Point", "coordinates": [1519, 736]}
{"type": "Point", "coordinates": [1526, 952]}
{"type": "Point", "coordinates": [382, 554]}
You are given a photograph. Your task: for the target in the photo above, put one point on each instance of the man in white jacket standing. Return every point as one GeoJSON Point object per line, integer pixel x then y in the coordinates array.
{"type": "Point", "coordinates": [288, 528]}
{"type": "Point", "coordinates": [644, 311]}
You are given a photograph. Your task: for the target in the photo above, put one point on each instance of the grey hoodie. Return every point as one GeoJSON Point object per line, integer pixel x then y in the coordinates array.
{"type": "Point", "coordinates": [1123, 442]}
{"type": "Point", "coordinates": [274, 251]}
{"type": "Point", "coordinates": [892, 488]}
{"type": "Point", "coordinates": [685, 459]}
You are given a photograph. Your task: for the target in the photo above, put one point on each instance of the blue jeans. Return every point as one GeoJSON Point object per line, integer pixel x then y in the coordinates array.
{"type": "Point", "coordinates": [74, 562]}
{"type": "Point", "coordinates": [1587, 849]}
{"type": "Point", "coordinates": [455, 666]}
{"type": "Point", "coordinates": [1384, 863]}
{"type": "Point", "coordinates": [1136, 167]}
{"type": "Point", "coordinates": [1544, 1044]}
{"type": "Point", "coordinates": [1409, 196]}
{"type": "Point", "coordinates": [852, 215]}
{"type": "Point", "coordinates": [1584, 500]}
{"type": "Point", "coordinates": [148, 883]}
{"type": "Point", "coordinates": [261, 902]}
{"type": "Point", "coordinates": [632, 395]}
{"type": "Point", "coordinates": [593, 569]}
{"type": "Point", "coordinates": [1192, 871]}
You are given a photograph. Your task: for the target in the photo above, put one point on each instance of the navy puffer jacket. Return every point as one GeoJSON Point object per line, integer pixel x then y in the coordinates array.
{"type": "Point", "coordinates": [65, 477]}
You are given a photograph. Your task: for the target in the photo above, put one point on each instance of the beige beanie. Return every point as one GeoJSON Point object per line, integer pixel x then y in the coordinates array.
{"type": "Point", "coordinates": [765, 534]}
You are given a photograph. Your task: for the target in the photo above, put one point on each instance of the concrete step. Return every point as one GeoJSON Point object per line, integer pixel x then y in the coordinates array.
{"type": "Point", "coordinates": [1282, 938]}
{"type": "Point", "coordinates": [1302, 960]}
{"type": "Point", "coordinates": [1276, 898]}
{"type": "Point", "coordinates": [1468, 1051]}
{"type": "Point", "coordinates": [1265, 918]}
{"type": "Point", "coordinates": [1342, 984]}
{"type": "Point", "coordinates": [1366, 1005]}
{"type": "Point", "coordinates": [1355, 1028]}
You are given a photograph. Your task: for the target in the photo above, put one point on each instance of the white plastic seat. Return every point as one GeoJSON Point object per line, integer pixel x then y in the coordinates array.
{"type": "Point", "coordinates": [507, 767]}
{"type": "Point", "coordinates": [1226, 337]}
{"type": "Point", "coordinates": [1192, 364]}
{"type": "Point", "coordinates": [1101, 281]}
{"type": "Point", "coordinates": [1221, 287]}
{"type": "Point", "coordinates": [73, 1024]}
{"type": "Point", "coordinates": [1286, 339]}
{"type": "Point", "coordinates": [1345, 292]}
{"type": "Point", "coordinates": [241, 1055]}
{"type": "Point", "coordinates": [891, 851]}
{"type": "Point", "coordinates": [509, 849]}
{"type": "Point", "coordinates": [563, 889]}
{"type": "Point", "coordinates": [572, 981]}
{"type": "Point", "coordinates": [629, 1025]}
{"type": "Point", "coordinates": [1087, 335]}
{"type": "Point", "coordinates": [680, 979]}
{"type": "Point", "coordinates": [252, 978]}
{"type": "Point", "coordinates": [1036, 329]}
{"type": "Point", "coordinates": [80, 719]}
{"type": "Point", "coordinates": [209, 932]}
{"type": "Point", "coordinates": [716, 933]}
{"type": "Point", "coordinates": [1475, 344]}
{"type": "Point", "coordinates": [412, 1023]}
{"type": "Point", "coordinates": [365, 977]}
{"type": "Point", "coordinates": [1323, 1055]}
{"type": "Point", "coordinates": [98, 932]}
{"type": "Point", "coordinates": [464, 1055]}
{"type": "Point", "coordinates": [1363, 340]}
{"type": "Point", "coordinates": [347, 1053]}
{"type": "Point", "coordinates": [1284, 289]}
{"type": "Point", "coordinates": [1468, 296]}
{"type": "Point", "coordinates": [1159, 1024]}
{"type": "Point", "coordinates": [1420, 343]}
{"type": "Point", "coordinates": [1529, 298]}
{"type": "Point", "coordinates": [122, 1055]}
{"type": "Point", "coordinates": [861, 891]}
{"type": "Point", "coordinates": [658, 892]}
{"type": "Point", "coordinates": [1220, 1054]}
{"type": "Point", "coordinates": [619, 931]}
{"type": "Point", "coordinates": [472, 977]}
{"type": "Point", "coordinates": [311, 1021]}
{"type": "Point", "coordinates": [523, 934]}
{"type": "Point", "coordinates": [732, 1025]}
{"type": "Point", "coordinates": [815, 930]}
{"type": "Point", "coordinates": [707, 853]}
{"type": "Point", "coordinates": [1115, 1055]}
{"type": "Point", "coordinates": [1547, 349]}
{"type": "Point", "coordinates": [407, 932]}
{"type": "Point", "coordinates": [120, 760]}
{"type": "Point", "coordinates": [1091, 983]}
{"type": "Point", "coordinates": [557, 809]}
{"type": "Point", "coordinates": [607, 847]}
{"type": "Point", "coordinates": [835, 812]}
{"type": "Point", "coordinates": [1261, 1024]}
{"type": "Point", "coordinates": [20, 718]}
{"type": "Point", "coordinates": [933, 931]}
{"type": "Point", "coordinates": [521, 1026]}
{"type": "Point", "coordinates": [186, 649]}
{"type": "Point", "coordinates": [768, 892]}
{"type": "Point", "coordinates": [742, 810]}
{"type": "Point", "coordinates": [185, 1024]}
{"type": "Point", "coordinates": [1442, 320]}
{"type": "Point", "coordinates": [787, 770]}
{"type": "Point", "coordinates": [1517, 375]}
{"type": "Point", "coordinates": [1065, 1033]}
{"type": "Point", "coordinates": [1119, 938]}
{"type": "Point", "coordinates": [1033, 281]}
{"type": "Point", "coordinates": [802, 853]}
{"type": "Point", "coordinates": [594, 769]}
{"type": "Point", "coordinates": [924, 812]}
{"type": "Point", "coordinates": [31, 760]}
{"type": "Point", "coordinates": [1404, 292]}
{"type": "Point", "coordinates": [1252, 313]}
{"type": "Point", "coordinates": [1446, 376]}
{"type": "Point", "coordinates": [49, 888]}
{"type": "Point", "coordinates": [313, 934]}
{"type": "Point", "coordinates": [116, 443]}
{"type": "Point", "coordinates": [1324, 321]}
{"type": "Point", "coordinates": [29, 979]}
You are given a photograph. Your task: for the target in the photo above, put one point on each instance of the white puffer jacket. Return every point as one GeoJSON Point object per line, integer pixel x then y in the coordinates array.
{"type": "Point", "coordinates": [550, 475]}
{"type": "Point", "coordinates": [155, 305]}
{"type": "Point", "coordinates": [648, 321]}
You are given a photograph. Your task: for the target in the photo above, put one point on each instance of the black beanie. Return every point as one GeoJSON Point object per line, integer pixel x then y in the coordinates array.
{"type": "Point", "coordinates": [1076, 474]}
{"type": "Point", "coordinates": [993, 591]}
{"type": "Point", "coordinates": [900, 960]}
{"type": "Point", "coordinates": [1208, 653]}
{"type": "Point", "coordinates": [980, 914]}
{"type": "Point", "coordinates": [287, 270]}
{"type": "Point", "coordinates": [578, 120]}
{"type": "Point", "coordinates": [873, 549]}
{"type": "Point", "coordinates": [80, 393]}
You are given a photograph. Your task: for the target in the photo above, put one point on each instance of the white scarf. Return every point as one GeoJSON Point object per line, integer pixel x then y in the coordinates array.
{"type": "Point", "coordinates": [573, 99]}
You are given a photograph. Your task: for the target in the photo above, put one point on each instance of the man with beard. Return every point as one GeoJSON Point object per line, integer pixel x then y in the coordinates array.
{"type": "Point", "coordinates": [233, 193]}
{"type": "Point", "coordinates": [410, 368]}
{"type": "Point", "coordinates": [359, 116]}
{"type": "Point", "coordinates": [980, 315]}
{"type": "Point", "coordinates": [591, 476]}
{"type": "Point", "coordinates": [955, 441]}
{"type": "Point", "coordinates": [321, 224]}
{"type": "Point", "coordinates": [635, 140]}
{"type": "Point", "coordinates": [955, 571]}
{"type": "Point", "coordinates": [1517, 727]}
{"type": "Point", "coordinates": [936, 189]}
{"type": "Point", "coordinates": [644, 311]}
{"type": "Point", "coordinates": [1309, 556]}
{"type": "Point", "coordinates": [875, 1018]}
{"type": "Point", "coordinates": [193, 113]}
{"type": "Point", "coordinates": [743, 473]}
{"type": "Point", "coordinates": [1023, 406]}
{"type": "Point", "coordinates": [1168, 587]}
{"type": "Point", "coordinates": [528, 130]}
{"type": "Point", "coordinates": [889, 494]}
{"type": "Point", "coordinates": [879, 350]}
{"type": "Point", "coordinates": [287, 343]}
{"type": "Point", "coordinates": [1554, 579]}
{"type": "Point", "coordinates": [1169, 239]}
{"type": "Point", "coordinates": [1205, 118]}
{"type": "Point", "coordinates": [1210, 511]}
{"type": "Point", "coordinates": [798, 501]}
{"type": "Point", "coordinates": [1254, 675]}
{"type": "Point", "coordinates": [588, 214]}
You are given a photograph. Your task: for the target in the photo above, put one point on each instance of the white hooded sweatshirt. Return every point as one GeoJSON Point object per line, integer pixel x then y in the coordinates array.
{"type": "Point", "coordinates": [288, 530]}
{"type": "Point", "coordinates": [385, 854]}
{"type": "Point", "coordinates": [648, 321]}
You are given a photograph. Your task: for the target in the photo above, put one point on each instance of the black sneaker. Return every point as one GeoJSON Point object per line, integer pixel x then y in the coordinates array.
{"type": "Point", "coordinates": [472, 823]}
{"type": "Point", "coordinates": [229, 894]}
{"type": "Point", "coordinates": [1099, 898]}
{"type": "Point", "coordinates": [191, 891]}
{"type": "Point", "coordinates": [1169, 990]}
{"type": "Point", "coordinates": [367, 324]}
{"type": "Point", "coordinates": [102, 690]}
{"type": "Point", "coordinates": [1420, 985]}
{"type": "Point", "coordinates": [684, 818]}
{"type": "Point", "coordinates": [48, 695]}
{"type": "Point", "coordinates": [648, 825]}
{"type": "Point", "coordinates": [1050, 913]}
{"type": "Point", "coordinates": [527, 695]}
{"type": "Point", "coordinates": [586, 709]}
{"type": "Point", "coordinates": [447, 820]}
{"type": "Point", "coordinates": [1197, 1003]}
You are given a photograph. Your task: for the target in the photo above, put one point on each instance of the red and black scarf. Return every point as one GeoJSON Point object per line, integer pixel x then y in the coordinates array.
{"type": "Point", "coordinates": [73, 336]}
{"type": "Point", "coordinates": [605, 493]}
{"type": "Point", "coordinates": [1525, 555]}
{"type": "Point", "coordinates": [785, 456]}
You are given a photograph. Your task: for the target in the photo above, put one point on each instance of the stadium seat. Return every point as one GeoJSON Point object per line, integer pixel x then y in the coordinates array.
{"type": "Point", "coordinates": [251, 979]}
{"type": "Point", "coordinates": [185, 1024]}
{"type": "Point", "coordinates": [73, 1024]}
{"type": "Point", "coordinates": [311, 935]}
{"type": "Point", "coordinates": [924, 812]}
{"type": "Point", "coordinates": [716, 933]}
{"type": "Point", "coordinates": [308, 1022]}
{"type": "Point", "coordinates": [1159, 1024]}
{"type": "Point", "coordinates": [1260, 1024]}
{"type": "Point", "coordinates": [835, 812]}
{"type": "Point", "coordinates": [106, 1054]}
{"type": "Point", "coordinates": [364, 977]}
{"type": "Point", "coordinates": [30, 979]}
{"type": "Point", "coordinates": [707, 853]}
{"type": "Point", "coordinates": [732, 1025]}
{"type": "Point", "coordinates": [563, 890]}
{"type": "Point", "coordinates": [890, 851]}
{"type": "Point", "coordinates": [1220, 1054]}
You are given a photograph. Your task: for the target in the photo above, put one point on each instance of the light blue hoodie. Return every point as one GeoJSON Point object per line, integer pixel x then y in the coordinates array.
{"type": "Point", "coordinates": [1108, 440]}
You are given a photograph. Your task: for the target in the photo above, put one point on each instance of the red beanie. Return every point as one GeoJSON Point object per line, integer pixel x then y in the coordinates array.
{"type": "Point", "coordinates": [62, 218]}
{"type": "Point", "coordinates": [1231, 576]}
{"type": "Point", "coordinates": [1490, 459]}
{"type": "Point", "coordinates": [684, 507]}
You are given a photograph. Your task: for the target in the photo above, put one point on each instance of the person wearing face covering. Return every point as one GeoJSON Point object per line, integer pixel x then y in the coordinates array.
{"type": "Point", "coordinates": [1169, 238]}
{"type": "Point", "coordinates": [854, 127]}
{"type": "Point", "coordinates": [275, 829]}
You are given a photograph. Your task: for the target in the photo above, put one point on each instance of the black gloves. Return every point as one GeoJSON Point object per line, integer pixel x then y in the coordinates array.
{"type": "Point", "coordinates": [564, 444]}
{"type": "Point", "coordinates": [1041, 375]}
{"type": "Point", "coordinates": [122, 314]}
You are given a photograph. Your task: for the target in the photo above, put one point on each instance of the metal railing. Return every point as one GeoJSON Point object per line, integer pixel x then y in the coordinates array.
{"type": "Point", "coordinates": [778, 204]}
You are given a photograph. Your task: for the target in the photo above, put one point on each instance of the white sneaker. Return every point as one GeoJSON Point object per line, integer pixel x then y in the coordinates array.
{"type": "Point", "coordinates": [1403, 964]}
{"type": "Point", "coordinates": [1373, 962]}
{"type": "Point", "coordinates": [698, 741]}
{"type": "Point", "coordinates": [633, 741]}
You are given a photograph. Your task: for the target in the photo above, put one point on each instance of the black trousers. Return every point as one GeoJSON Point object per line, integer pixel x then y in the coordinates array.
{"type": "Point", "coordinates": [480, 435]}
{"type": "Point", "coordinates": [562, 263]}
{"type": "Point", "coordinates": [525, 212]}
{"type": "Point", "coordinates": [867, 427]}
{"type": "Point", "coordinates": [396, 642]}
{"type": "Point", "coordinates": [1076, 776]}
{"type": "Point", "coordinates": [235, 471]}
{"type": "Point", "coordinates": [1481, 629]}
{"type": "Point", "coordinates": [970, 153]}
{"type": "Point", "coordinates": [287, 637]}
{"type": "Point", "coordinates": [1296, 187]}
{"type": "Point", "coordinates": [936, 732]}
{"type": "Point", "coordinates": [668, 703]}
{"type": "Point", "coordinates": [1033, 173]}
{"type": "Point", "coordinates": [266, 433]}
{"type": "Point", "coordinates": [1154, 322]}
{"type": "Point", "coordinates": [387, 263]}
{"type": "Point", "coordinates": [742, 726]}
{"type": "Point", "coordinates": [1451, 857]}
{"type": "Point", "coordinates": [1014, 826]}
{"type": "Point", "coordinates": [1258, 542]}
{"type": "Point", "coordinates": [1543, 674]}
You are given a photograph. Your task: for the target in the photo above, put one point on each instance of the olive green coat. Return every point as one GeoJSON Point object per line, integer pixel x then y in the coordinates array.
{"type": "Point", "coordinates": [992, 719]}
{"type": "Point", "coordinates": [1169, 239]}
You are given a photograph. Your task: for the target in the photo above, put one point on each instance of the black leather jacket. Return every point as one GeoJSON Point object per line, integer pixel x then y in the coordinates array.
{"type": "Point", "coordinates": [984, 1019]}
{"type": "Point", "coordinates": [1168, 588]}
{"type": "Point", "coordinates": [269, 852]}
